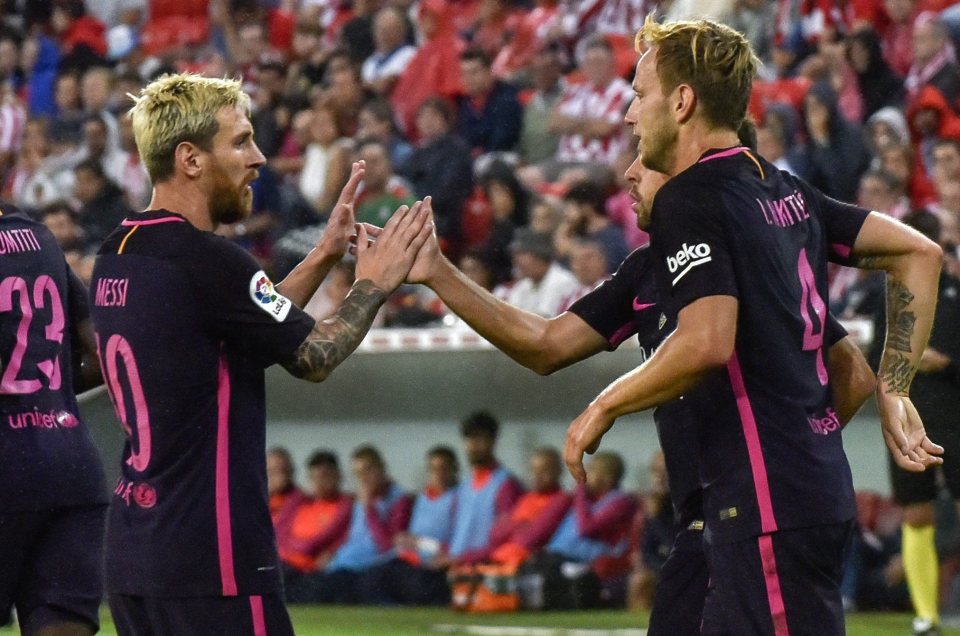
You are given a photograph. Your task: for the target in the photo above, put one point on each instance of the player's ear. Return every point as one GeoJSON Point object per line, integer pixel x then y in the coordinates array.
{"type": "Point", "coordinates": [684, 103]}
{"type": "Point", "coordinates": [187, 160]}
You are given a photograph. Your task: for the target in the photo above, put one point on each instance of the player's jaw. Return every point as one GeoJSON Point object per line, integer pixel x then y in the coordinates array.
{"type": "Point", "coordinates": [230, 201]}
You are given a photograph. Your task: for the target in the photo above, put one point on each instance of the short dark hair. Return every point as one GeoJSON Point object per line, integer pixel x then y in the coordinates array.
{"type": "Point", "coordinates": [946, 141]}
{"type": "Point", "coordinates": [440, 106]}
{"type": "Point", "coordinates": [321, 458]}
{"type": "Point", "coordinates": [747, 133]}
{"type": "Point", "coordinates": [480, 423]}
{"type": "Point", "coordinates": [588, 193]}
{"type": "Point", "coordinates": [368, 453]}
{"type": "Point", "coordinates": [891, 181]}
{"type": "Point", "coordinates": [476, 54]}
{"type": "Point", "coordinates": [57, 207]}
{"type": "Point", "coordinates": [446, 453]}
{"type": "Point", "coordinates": [92, 166]}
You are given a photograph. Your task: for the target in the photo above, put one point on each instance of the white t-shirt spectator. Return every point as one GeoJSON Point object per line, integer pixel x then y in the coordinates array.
{"type": "Point", "coordinates": [547, 297]}
{"type": "Point", "coordinates": [380, 66]}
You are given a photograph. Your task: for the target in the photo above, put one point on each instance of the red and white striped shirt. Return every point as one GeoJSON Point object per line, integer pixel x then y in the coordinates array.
{"type": "Point", "coordinates": [586, 101]}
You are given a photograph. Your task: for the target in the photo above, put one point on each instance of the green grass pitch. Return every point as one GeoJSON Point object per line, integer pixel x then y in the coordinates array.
{"type": "Point", "coordinates": [348, 621]}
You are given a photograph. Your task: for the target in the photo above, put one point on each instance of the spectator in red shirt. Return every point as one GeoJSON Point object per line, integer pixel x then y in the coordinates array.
{"type": "Point", "coordinates": [316, 528]}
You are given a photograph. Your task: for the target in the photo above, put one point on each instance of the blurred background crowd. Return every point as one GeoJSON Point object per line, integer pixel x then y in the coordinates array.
{"type": "Point", "coordinates": [507, 112]}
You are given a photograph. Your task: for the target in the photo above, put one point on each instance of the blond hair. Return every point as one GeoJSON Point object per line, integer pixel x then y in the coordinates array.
{"type": "Point", "coordinates": [177, 108]}
{"type": "Point", "coordinates": [715, 60]}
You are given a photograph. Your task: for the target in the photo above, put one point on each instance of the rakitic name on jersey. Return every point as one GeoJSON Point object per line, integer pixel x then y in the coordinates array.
{"type": "Point", "coordinates": [785, 212]}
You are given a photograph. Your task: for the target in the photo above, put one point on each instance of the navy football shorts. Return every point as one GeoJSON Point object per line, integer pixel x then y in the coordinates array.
{"type": "Point", "coordinates": [52, 566]}
{"type": "Point", "coordinates": [681, 588]}
{"type": "Point", "coordinates": [263, 615]}
{"type": "Point", "coordinates": [787, 582]}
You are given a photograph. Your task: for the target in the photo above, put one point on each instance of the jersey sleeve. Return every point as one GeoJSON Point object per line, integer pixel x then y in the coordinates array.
{"type": "Point", "coordinates": [608, 309]}
{"type": "Point", "coordinates": [835, 331]}
{"type": "Point", "coordinates": [842, 222]}
{"type": "Point", "coordinates": [694, 254]}
{"type": "Point", "coordinates": [242, 306]}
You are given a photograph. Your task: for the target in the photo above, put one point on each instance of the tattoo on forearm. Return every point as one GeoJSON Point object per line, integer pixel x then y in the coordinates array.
{"type": "Point", "coordinates": [335, 338]}
{"type": "Point", "coordinates": [900, 323]}
{"type": "Point", "coordinates": [896, 371]}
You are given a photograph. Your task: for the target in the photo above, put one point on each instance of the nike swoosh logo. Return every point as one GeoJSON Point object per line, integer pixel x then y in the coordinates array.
{"type": "Point", "coordinates": [639, 306]}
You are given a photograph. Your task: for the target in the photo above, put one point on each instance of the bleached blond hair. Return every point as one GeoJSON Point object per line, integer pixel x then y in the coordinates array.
{"type": "Point", "coordinates": [715, 60]}
{"type": "Point", "coordinates": [176, 108]}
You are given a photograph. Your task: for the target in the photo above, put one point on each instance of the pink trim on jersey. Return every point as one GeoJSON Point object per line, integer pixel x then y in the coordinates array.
{"type": "Point", "coordinates": [778, 611]}
{"type": "Point", "coordinates": [222, 487]}
{"type": "Point", "coordinates": [725, 153]}
{"type": "Point", "coordinates": [166, 219]}
{"type": "Point", "coordinates": [757, 465]}
{"type": "Point", "coordinates": [841, 249]}
{"type": "Point", "coordinates": [621, 334]}
{"type": "Point", "coordinates": [256, 611]}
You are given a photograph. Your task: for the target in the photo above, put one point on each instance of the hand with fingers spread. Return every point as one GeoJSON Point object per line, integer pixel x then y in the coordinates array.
{"type": "Point", "coordinates": [335, 239]}
{"type": "Point", "coordinates": [387, 261]}
{"type": "Point", "coordinates": [904, 434]}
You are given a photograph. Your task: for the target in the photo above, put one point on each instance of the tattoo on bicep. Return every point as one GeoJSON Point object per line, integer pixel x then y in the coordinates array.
{"type": "Point", "coordinates": [336, 337]}
{"type": "Point", "coordinates": [900, 323]}
{"type": "Point", "coordinates": [896, 371]}
{"type": "Point", "coordinates": [868, 262]}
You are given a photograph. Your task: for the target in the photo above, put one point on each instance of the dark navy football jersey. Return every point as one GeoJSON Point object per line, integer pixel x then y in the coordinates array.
{"type": "Point", "coordinates": [626, 305]}
{"type": "Point", "coordinates": [771, 455]}
{"type": "Point", "coordinates": [186, 322]}
{"type": "Point", "coordinates": [47, 457]}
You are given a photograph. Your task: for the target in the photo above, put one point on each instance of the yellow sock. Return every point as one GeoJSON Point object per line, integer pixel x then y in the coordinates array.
{"type": "Point", "coordinates": [922, 570]}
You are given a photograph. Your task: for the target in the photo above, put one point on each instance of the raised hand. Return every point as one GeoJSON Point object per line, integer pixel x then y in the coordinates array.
{"type": "Point", "coordinates": [429, 257]}
{"type": "Point", "coordinates": [387, 261]}
{"type": "Point", "coordinates": [335, 239]}
{"type": "Point", "coordinates": [904, 434]}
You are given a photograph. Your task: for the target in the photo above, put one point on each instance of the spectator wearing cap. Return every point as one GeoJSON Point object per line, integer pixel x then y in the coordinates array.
{"type": "Point", "coordinates": [543, 284]}
{"type": "Point", "coordinates": [489, 114]}
{"type": "Point", "coordinates": [585, 217]}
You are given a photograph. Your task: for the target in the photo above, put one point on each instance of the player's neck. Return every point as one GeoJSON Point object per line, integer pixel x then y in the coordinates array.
{"type": "Point", "coordinates": [184, 199]}
{"type": "Point", "coordinates": [695, 139]}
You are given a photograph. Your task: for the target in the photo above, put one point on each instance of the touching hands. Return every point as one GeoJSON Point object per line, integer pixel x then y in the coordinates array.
{"type": "Point", "coordinates": [336, 236]}
{"type": "Point", "coordinates": [387, 260]}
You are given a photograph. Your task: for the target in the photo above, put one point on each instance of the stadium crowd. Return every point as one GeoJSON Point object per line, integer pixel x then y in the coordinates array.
{"type": "Point", "coordinates": [508, 113]}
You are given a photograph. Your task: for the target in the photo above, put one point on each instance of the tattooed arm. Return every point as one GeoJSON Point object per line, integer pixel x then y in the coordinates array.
{"type": "Point", "coordinates": [335, 338]}
{"type": "Point", "coordinates": [381, 267]}
{"type": "Point", "coordinates": [912, 263]}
